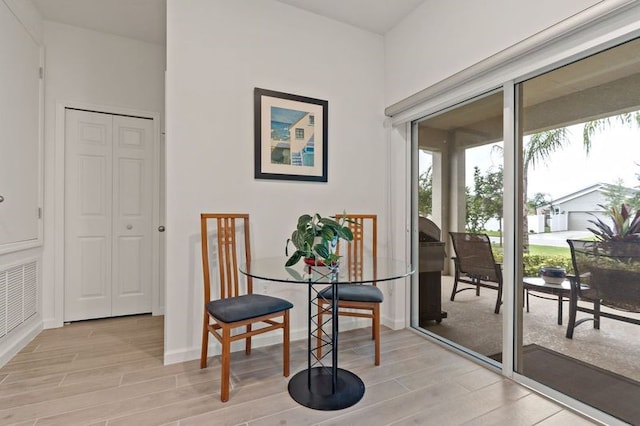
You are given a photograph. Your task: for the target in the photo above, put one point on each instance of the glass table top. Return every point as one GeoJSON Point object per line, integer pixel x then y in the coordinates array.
{"type": "Point", "coordinates": [370, 270]}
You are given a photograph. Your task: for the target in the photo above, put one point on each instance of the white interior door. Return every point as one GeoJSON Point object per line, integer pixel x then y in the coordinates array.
{"type": "Point", "coordinates": [108, 215]}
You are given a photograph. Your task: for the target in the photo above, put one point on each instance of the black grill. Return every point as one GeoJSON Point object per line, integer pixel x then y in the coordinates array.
{"type": "Point", "coordinates": [431, 263]}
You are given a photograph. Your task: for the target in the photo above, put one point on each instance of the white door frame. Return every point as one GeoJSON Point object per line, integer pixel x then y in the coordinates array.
{"type": "Point", "coordinates": [59, 210]}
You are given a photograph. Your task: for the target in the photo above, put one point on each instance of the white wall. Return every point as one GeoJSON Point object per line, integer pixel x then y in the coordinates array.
{"type": "Point", "coordinates": [443, 37]}
{"type": "Point", "coordinates": [91, 68]}
{"type": "Point", "coordinates": [29, 17]}
{"type": "Point", "coordinates": [217, 52]}
{"type": "Point", "coordinates": [536, 223]}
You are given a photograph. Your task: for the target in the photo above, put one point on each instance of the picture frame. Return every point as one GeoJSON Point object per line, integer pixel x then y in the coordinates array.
{"type": "Point", "coordinates": [290, 134]}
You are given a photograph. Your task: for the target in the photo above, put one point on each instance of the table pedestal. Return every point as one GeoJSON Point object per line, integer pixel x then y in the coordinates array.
{"type": "Point", "coordinates": [318, 393]}
{"type": "Point", "coordinates": [318, 386]}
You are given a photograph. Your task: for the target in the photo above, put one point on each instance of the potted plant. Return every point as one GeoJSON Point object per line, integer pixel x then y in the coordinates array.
{"type": "Point", "coordinates": [626, 225]}
{"type": "Point", "coordinates": [315, 239]}
{"type": "Point", "coordinates": [623, 239]}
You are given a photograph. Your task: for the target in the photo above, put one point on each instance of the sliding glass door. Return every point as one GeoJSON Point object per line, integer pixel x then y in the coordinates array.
{"type": "Point", "coordinates": [546, 170]}
{"type": "Point", "coordinates": [460, 192]}
{"type": "Point", "coordinates": [580, 132]}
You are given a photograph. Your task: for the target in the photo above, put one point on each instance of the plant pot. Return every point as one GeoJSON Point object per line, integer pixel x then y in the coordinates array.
{"type": "Point", "coordinates": [553, 274]}
{"type": "Point", "coordinates": [313, 262]}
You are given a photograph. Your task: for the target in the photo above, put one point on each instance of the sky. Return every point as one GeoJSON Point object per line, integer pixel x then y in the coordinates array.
{"type": "Point", "coordinates": [614, 154]}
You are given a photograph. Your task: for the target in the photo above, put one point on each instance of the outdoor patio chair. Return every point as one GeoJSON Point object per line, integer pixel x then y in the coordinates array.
{"type": "Point", "coordinates": [233, 307]}
{"type": "Point", "coordinates": [607, 273]}
{"type": "Point", "coordinates": [475, 265]}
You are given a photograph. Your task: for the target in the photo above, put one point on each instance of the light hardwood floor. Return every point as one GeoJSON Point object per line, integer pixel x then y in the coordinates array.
{"type": "Point", "coordinates": [110, 372]}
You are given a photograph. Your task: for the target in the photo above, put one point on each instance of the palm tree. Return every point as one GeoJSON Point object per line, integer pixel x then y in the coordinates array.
{"type": "Point", "coordinates": [542, 145]}
{"type": "Point", "coordinates": [539, 149]}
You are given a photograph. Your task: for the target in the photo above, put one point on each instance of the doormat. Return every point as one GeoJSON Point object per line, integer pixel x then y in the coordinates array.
{"type": "Point", "coordinates": [603, 389]}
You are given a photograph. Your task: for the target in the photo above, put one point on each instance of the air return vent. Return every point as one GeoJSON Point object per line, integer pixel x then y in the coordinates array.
{"type": "Point", "coordinates": [18, 295]}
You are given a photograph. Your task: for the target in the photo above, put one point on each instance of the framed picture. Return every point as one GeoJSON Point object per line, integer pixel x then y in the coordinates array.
{"type": "Point", "coordinates": [290, 136]}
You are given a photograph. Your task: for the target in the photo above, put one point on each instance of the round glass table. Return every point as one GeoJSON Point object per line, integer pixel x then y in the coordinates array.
{"type": "Point", "coordinates": [322, 386]}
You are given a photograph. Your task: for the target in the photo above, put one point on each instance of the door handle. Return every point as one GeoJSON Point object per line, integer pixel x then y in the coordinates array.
{"type": "Point", "coordinates": [1, 198]}
{"type": "Point", "coordinates": [129, 226]}
{"type": "Point", "coordinates": [161, 228]}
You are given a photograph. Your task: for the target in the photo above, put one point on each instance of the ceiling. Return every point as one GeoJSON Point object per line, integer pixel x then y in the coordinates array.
{"type": "Point", "coordinates": [139, 19]}
{"type": "Point", "coordinates": [146, 19]}
{"type": "Point", "coordinates": [377, 16]}
{"type": "Point", "coordinates": [599, 86]}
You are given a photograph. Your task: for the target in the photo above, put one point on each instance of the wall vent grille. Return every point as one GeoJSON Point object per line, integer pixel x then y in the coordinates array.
{"type": "Point", "coordinates": [18, 295]}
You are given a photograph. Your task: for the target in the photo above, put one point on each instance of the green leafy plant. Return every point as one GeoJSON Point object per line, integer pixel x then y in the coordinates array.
{"type": "Point", "coordinates": [315, 238]}
{"type": "Point", "coordinates": [533, 262]}
{"type": "Point", "coordinates": [626, 225]}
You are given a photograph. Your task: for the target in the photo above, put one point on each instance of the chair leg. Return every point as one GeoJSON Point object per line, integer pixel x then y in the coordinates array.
{"type": "Point", "coordinates": [225, 370]}
{"type": "Point", "coordinates": [376, 332]}
{"type": "Point", "coordinates": [573, 308]}
{"type": "Point", "coordinates": [285, 344]}
{"type": "Point", "coordinates": [373, 328]}
{"type": "Point", "coordinates": [499, 299]}
{"type": "Point", "coordinates": [247, 343]}
{"type": "Point", "coordinates": [455, 285]}
{"type": "Point", "coordinates": [205, 341]}
{"type": "Point", "coordinates": [596, 315]}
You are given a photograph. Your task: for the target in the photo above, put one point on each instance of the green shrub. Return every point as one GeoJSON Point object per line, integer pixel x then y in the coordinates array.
{"type": "Point", "coordinates": [533, 262]}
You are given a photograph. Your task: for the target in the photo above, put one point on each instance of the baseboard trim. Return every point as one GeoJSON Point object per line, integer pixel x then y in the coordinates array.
{"type": "Point", "coordinates": [189, 354]}
{"type": "Point", "coordinates": [267, 339]}
{"type": "Point", "coordinates": [393, 323]}
{"type": "Point", "coordinates": [17, 339]}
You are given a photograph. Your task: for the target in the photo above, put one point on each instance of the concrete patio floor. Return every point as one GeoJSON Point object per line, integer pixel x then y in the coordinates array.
{"type": "Point", "coordinates": [472, 324]}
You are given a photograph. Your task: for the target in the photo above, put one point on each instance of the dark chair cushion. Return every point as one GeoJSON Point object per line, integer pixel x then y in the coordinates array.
{"type": "Point", "coordinates": [246, 306]}
{"type": "Point", "coordinates": [355, 293]}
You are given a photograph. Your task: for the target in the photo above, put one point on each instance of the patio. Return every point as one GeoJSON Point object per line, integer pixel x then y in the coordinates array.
{"type": "Point", "coordinates": [472, 323]}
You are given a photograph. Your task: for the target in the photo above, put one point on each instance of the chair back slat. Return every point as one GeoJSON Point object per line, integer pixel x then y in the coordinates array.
{"type": "Point", "coordinates": [474, 255]}
{"type": "Point", "coordinates": [226, 250]}
{"type": "Point", "coordinates": [360, 224]}
{"type": "Point", "coordinates": [204, 232]}
{"type": "Point", "coordinates": [227, 227]}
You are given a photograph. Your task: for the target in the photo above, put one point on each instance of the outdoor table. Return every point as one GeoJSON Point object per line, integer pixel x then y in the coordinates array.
{"type": "Point", "coordinates": [537, 284]}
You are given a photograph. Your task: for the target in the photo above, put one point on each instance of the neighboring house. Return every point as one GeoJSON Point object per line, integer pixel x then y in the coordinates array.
{"type": "Point", "coordinates": [579, 208]}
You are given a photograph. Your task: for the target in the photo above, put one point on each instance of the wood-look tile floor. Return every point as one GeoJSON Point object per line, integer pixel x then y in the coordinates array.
{"type": "Point", "coordinates": [110, 372]}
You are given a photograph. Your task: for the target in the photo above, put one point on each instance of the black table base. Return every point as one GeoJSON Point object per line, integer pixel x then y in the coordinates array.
{"type": "Point", "coordinates": [318, 394]}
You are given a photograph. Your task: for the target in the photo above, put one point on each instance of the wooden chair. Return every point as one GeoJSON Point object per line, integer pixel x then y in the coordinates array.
{"type": "Point", "coordinates": [475, 265]}
{"type": "Point", "coordinates": [605, 274]}
{"type": "Point", "coordinates": [356, 300]}
{"type": "Point", "coordinates": [235, 308]}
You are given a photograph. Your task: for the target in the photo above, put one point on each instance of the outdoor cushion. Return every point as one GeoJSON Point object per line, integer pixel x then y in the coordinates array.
{"type": "Point", "coordinates": [246, 306]}
{"type": "Point", "coordinates": [354, 293]}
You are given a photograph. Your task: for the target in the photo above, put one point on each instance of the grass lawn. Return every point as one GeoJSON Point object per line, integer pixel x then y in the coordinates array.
{"type": "Point", "coordinates": [542, 250]}
{"type": "Point", "coordinates": [550, 251]}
